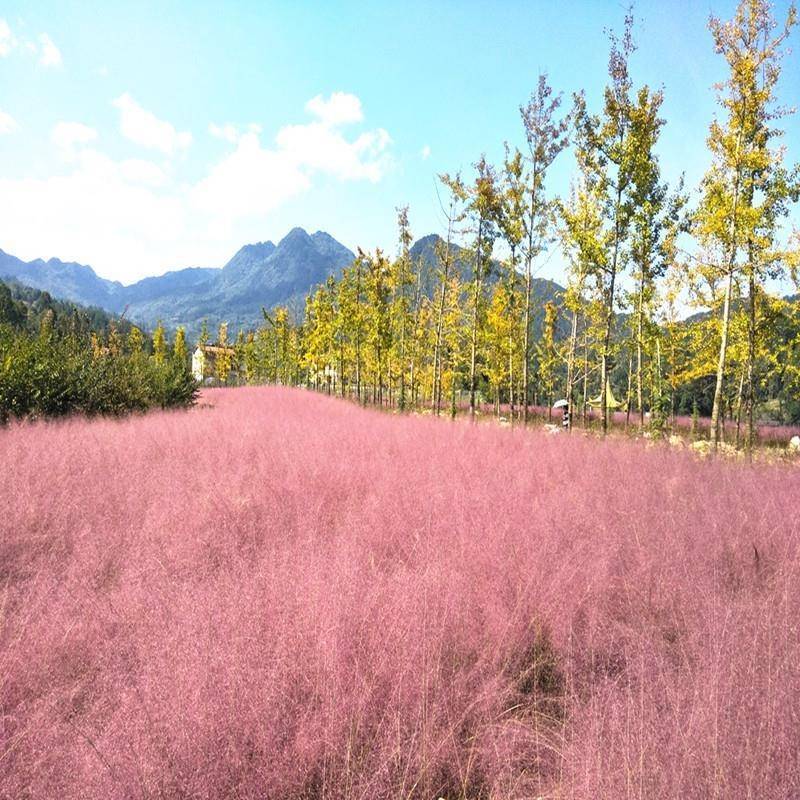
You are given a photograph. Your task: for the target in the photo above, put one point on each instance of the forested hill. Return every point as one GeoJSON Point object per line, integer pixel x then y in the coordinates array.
{"type": "Point", "coordinates": [24, 307]}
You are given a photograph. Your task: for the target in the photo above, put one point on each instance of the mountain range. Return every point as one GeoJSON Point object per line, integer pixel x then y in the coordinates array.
{"type": "Point", "coordinates": [261, 274]}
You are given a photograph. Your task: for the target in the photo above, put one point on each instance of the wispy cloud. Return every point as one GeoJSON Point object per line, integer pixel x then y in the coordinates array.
{"type": "Point", "coordinates": [425, 152]}
{"type": "Point", "coordinates": [7, 123]}
{"type": "Point", "coordinates": [228, 132]}
{"type": "Point", "coordinates": [254, 179]}
{"type": "Point", "coordinates": [49, 55]}
{"type": "Point", "coordinates": [7, 40]}
{"type": "Point", "coordinates": [339, 109]}
{"type": "Point", "coordinates": [145, 129]}
{"type": "Point", "coordinates": [66, 135]}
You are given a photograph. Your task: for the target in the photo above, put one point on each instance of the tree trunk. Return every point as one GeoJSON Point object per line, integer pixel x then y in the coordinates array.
{"type": "Point", "coordinates": [476, 280]}
{"type": "Point", "coordinates": [573, 342]}
{"type": "Point", "coordinates": [358, 330]}
{"type": "Point", "coordinates": [751, 360]}
{"type": "Point", "coordinates": [628, 392]}
{"type": "Point", "coordinates": [639, 337]}
{"type": "Point", "coordinates": [723, 352]}
{"type": "Point", "coordinates": [609, 321]}
{"type": "Point", "coordinates": [739, 394]}
{"type": "Point", "coordinates": [716, 432]}
{"type": "Point", "coordinates": [585, 376]}
{"type": "Point", "coordinates": [526, 359]}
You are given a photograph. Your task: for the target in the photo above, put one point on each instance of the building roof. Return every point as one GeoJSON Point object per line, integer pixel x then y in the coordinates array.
{"type": "Point", "coordinates": [216, 349]}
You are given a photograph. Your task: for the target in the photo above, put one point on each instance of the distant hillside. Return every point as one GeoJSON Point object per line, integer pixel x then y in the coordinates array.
{"type": "Point", "coordinates": [24, 306]}
{"type": "Point", "coordinates": [65, 280]}
{"type": "Point", "coordinates": [260, 274]}
{"type": "Point", "coordinates": [425, 250]}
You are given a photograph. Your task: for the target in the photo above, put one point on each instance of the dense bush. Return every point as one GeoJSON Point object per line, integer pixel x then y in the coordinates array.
{"type": "Point", "coordinates": [280, 595]}
{"type": "Point", "coordinates": [57, 358]}
{"type": "Point", "coordinates": [49, 375]}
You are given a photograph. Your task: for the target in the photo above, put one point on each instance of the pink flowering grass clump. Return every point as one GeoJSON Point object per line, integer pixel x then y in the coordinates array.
{"type": "Point", "coordinates": [282, 595]}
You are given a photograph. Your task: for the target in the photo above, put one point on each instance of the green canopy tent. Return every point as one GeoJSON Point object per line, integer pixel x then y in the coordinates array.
{"type": "Point", "coordinates": [612, 404]}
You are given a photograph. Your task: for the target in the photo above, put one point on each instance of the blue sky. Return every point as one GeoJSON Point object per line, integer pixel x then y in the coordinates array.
{"type": "Point", "coordinates": [141, 137]}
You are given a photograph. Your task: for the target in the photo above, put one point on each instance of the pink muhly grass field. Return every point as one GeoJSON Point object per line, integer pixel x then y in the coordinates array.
{"type": "Point", "coordinates": [281, 595]}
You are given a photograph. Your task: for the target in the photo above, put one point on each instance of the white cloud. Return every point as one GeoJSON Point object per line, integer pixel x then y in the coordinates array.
{"type": "Point", "coordinates": [227, 132]}
{"type": "Point", "coordinates": [131, 217]}
{"type": "Point", "coordinates": [7, 123]}
{"type": "Point", "coordinates": [231, 133]}
{"type": "Point", "coordinates": [96, 214]}
{"type": "Point", "coordinates": [339, 109]}
{"type": "Point", "coordinates": [319, 147]}
{"type": "Point", "coordinates": [50, 55]}
{"type": "Point", "coordinates": [253, 179]}
{"type": "Point", "coordinates": [66, 135]}
{"type": "Point", "coordinates": [145, 129]}
{"type": "Point", "coordinates": [142, 172]}
{"type": "Point", "coordinates": [102, 71]}
{"type": "Point", "coordinates": [7, 40]}
{"type": "Point", "coordinates": [425, 152]}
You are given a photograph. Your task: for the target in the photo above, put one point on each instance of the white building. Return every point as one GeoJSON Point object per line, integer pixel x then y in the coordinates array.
{"type": "Point", "coordinates": [204, 361]}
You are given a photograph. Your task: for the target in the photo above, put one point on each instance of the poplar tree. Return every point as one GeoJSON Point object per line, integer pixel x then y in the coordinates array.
{"type": "Point", "coordinates": [135, 341]}
{"type": "Point", "coordinates": [351, 310]}
{"type": "Point", "coordinates": [377, 295]}
{"type": "Point", "coordinates": [402, 281]}
{"type": "Point", "coordinates": [511, 220]}
{"type": "Point", "coordinates": [743, 190]}
{"type": "Point", "coordinates": [606, 152]}
{"type": "Point", "coordinates": [444, 257]}
{"type": "Point", "coordinates": [546, 135]}
{"type": "Point", "coordinates": [548, 355]}
{"type": "Point", "coordinates": [483, 207]}
{"type": "Point", "coordinates": [159, 344]}
{"type": "Point", "coordinates": [584, 241]}
{"type": "Point", "coordinates": [179, 348]}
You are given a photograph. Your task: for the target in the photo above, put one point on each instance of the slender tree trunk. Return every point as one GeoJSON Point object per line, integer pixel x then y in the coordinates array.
{"type": "Point", "coordinates": [453, 405]}
{"type": "Point", "coordinates": [639, 337]}
{"type": "Point", "coordinates": [716, 432]}
{"type": "Point", "coordinates": [585, 376]}
{"type": "Point", "coordinates": [526, 347]}
{"type": "Point", "coordinates": [358, 330]}
{"type": "Point", "coordinates": [609, 321]}
{"type": "Point", "coordinates": [751, 360]}
{"type": "Point", "coordinates": [341, 368]}
{"type": "Point", "coordinates": [739, 395]}
{"type": "Point", "coordinates": [629, 392]}
{"type": "Point", "coordinates": [413, 378]}
{"type": "Point", "coordinates": [475, 309]}
{"type": "Point", "coordinates": [437, 350]}
{"type": "Point", "coordinates": [573, 341]}
{"type": "Point", "coordinates": [512, 307]}
{"type": "Point", "coordinates": [723, 352]}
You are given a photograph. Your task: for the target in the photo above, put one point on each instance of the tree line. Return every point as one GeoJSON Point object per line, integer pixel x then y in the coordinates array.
{"type": "Point", "coordinates": [637, 253]}
{"type": "Point", "coordinates": [57, 358]}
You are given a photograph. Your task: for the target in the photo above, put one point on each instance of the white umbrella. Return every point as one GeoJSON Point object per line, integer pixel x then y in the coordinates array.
{"type": "Point", "coordinates": [560, 404]}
